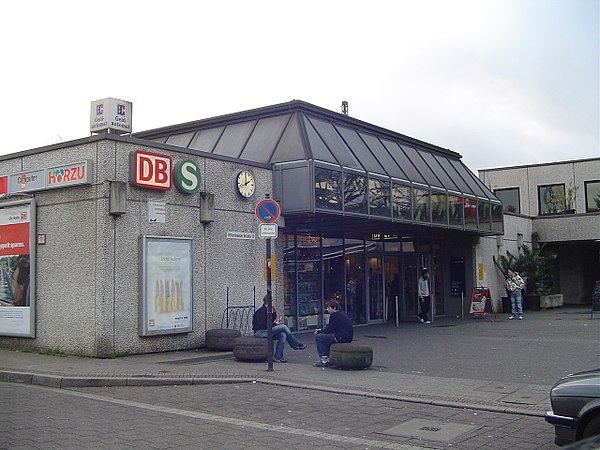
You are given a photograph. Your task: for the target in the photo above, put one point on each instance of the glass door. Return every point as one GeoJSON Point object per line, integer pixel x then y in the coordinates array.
{"type": "Point", "coordinates": [376, 290]}
{"type": "Point", "coordinates": [393, 294]}
{"type": "Point", "coordinates": [411, 265]}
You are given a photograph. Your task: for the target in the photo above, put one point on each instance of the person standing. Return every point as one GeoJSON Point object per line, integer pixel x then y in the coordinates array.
{"type": "Point", "coordinates": [424, 296]}
{"type": "Point", "coordinates": [514, 285]}
{"type": "Point", "coordinates": [281, 332]}
{"type": "Point", "coordinates": [339, 329]}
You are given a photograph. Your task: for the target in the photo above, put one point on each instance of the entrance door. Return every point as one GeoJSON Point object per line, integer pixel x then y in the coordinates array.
{"type": "Point", "coordinates": [376, 290]}
{"type": "Point", "coordinates": [411, 270]}
{"type": "Point", "coordinates": [393, 294]}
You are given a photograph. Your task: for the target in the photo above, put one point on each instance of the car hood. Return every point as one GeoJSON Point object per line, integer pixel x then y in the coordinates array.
{"type": "Point", "coordinates": [581, 384]}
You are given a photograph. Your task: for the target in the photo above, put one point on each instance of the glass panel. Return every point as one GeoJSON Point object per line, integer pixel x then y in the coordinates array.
{"type": "Point", "coordinates": [335, 144]}
{"type": "Point", "coordinates": [455, 210]}
{"type": "Point", "coordinates": [509, 199]}
{"type": "Point", "coordinates": [403, 161]}
{"type": "Point", "coordinates": [290, 147]}
{"type": "Point", "coordinates": [401, 204]}
{"type": "Point", "coordinates": [233, 139]}
{"type": "Point", "coordinates": [439, 208]}
{"type": "Point", "coordinates": [497, 218]}
{"type": "Point", "coordinates": [412, 271]}
{"type": "Point", "coordinates": [205, 140]}
{"type": "Point", "coordinates": [318, 150]}
{"type": "Point", "coordinates": [355, 287]}
{"type": "Point", "coordinates": [328, 189]}
{"type": "Point", "coordinates": [551, 198]}
{"type": "Point", "coordinates": [289, 281]}
{"type": "Point", "coordinates": [389, 164]}
{"type": "Point", "coordinates": [392, 287]}
{"type": "Point", "coordinates": [485, 220]}
{"type": "Point", "coordinates": [309, 282]}
{"type": "Point", "coordinates": [181, 140]}
{"type": "Point", "coordinates": [333, 271]}
{"type": "Point", "coordinates": [439, 172]}
{"type": "Point", "coordinates": [379, 198]}
{"type": "Point", "coordinates": [436, 281]}
{"type": "Point", "coordinates": [421, 202]}
{"type": "Point", "coordinates": [263, 139]}
{"type": "Point", "coordinates": [470, 213]}
{"type": "Point", "coordinates": [355, 193]}
{"type": "Point", "coordinates": [592, 196]}
{"type": "Point", "coordinates": [360, 150]}
{"type": "Point", "coordinates": [375, 288]}
{"type": "Point", "coordinates": [452, 172]}
{"type": "Point", "coordinates": [471, 180]}
{"type": "Point", "coordinates": [417, 160]}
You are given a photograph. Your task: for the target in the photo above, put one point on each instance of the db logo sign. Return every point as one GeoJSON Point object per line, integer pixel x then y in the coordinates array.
{"type": "Point", "coordinates": [151, 170]}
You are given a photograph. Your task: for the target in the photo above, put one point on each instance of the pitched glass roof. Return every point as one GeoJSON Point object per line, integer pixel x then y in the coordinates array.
{"type": "Point", "coordinates": [297, 131]}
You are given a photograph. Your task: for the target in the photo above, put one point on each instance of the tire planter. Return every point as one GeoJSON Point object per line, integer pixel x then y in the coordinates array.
{"type": "Point", "coordinates": [351, 356]}
{"type": "Point", "coordinates": [250, 348]}
{"type": "Point", "coordinates": [221, 339]}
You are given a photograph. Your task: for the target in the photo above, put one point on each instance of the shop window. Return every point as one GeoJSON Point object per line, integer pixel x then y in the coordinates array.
{"type": "Point", "coordinates": [328, 192]}
{"type": "Point", "coordinates": [470, 212]}
{"type": "Point", "coordinates": [333, 271]}
{"type": "Point", "coordinates": [439, 208]}
{"type": "Point", "coordinates": [309, 281]}
{"type": "Point", "coordinates": [379, 198]}
{"type": "Point", "coordinates": [551, 199]}
{"type": "Point", "coordinates": [484, 213]}
{"type": "Point", "coordinates": [289, 281]}
{"type": "Point", "coordinates": [401, 204]}
{"type": "Point", "coordinates": [422, 207]}
{"type": "Point", "coordinates": [510, 199]}
{"type": "Point", "coordinates": [355, 193]}
{"type": "Point", "coordinates": [592, 196]}
{"type": "Point", "coordinates": [455, 210]}
{"type": "Point", "coordinates": [497, 218]}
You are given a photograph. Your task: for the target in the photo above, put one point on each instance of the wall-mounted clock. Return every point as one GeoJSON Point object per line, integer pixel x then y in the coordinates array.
{"type": "Point", "coordinates": [245, 183]}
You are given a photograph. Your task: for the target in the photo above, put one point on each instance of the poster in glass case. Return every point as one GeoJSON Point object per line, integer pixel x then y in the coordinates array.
{"type": "Point", "coordinates": [166, 295]}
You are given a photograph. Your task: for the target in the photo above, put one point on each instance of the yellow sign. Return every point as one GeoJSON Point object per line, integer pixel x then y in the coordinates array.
{"type": "Point", "coordinates": [273, 272]}
{"type": "Point", "coordinates": [480, 271]}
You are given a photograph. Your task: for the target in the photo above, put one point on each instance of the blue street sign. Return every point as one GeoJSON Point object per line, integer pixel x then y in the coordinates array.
{"type": "Point", "coordinates": [268, 210]}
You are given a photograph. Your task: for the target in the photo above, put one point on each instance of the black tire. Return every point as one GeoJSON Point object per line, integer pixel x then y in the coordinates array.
{"type": "Point", "coordinates": [351, 356]}
{"type": "Point", "coordinates": [221, 339]}
{"type": "Point", "coordinates": [248, 348]}
{"type": "Point", "coordinates": [592, 428]}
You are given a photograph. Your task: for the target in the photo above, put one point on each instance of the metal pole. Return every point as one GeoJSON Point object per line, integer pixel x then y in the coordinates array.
{"type": "Point", "coordinates": [396, 311]}
{"type": "Point", "coordinates": [462, 306]}
{"type": "Point", "coordinates": [227, 308]}
{"type": "Point", "coordinates": [269, 310]}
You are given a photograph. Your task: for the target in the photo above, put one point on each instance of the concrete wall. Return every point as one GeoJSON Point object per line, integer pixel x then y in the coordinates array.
{"type": "Point", "coordinates": [88, 273]}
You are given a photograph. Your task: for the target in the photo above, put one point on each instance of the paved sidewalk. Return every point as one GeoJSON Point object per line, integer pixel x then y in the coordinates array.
{"type": "Point", "coordinates": [489, 364]}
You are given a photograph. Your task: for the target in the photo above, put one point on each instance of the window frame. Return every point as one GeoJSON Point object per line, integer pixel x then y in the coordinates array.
{"type": "Point", "coordinates": [539, 196]}
{"type": "Point", "coordinates": [587, 199]}
{"type": "Point", "coordinates": [518, 211]}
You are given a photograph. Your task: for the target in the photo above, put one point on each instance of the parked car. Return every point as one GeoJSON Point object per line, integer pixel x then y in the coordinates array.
{"type": "Point", "coordinates": [575, 402]}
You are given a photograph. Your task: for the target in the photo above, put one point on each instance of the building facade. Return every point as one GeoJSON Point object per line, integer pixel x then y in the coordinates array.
{"type": "Point", "coordinates": [142, 253]}
{"type": "Point", "coordinates": [556, 205]}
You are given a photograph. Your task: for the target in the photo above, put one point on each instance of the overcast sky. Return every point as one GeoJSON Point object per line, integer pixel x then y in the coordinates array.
{"type": "Point", "coordinates": [502, 82]}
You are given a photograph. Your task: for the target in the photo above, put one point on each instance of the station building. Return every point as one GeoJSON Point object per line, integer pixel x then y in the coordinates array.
{"type": "Point", "coordinates": [137, 242]}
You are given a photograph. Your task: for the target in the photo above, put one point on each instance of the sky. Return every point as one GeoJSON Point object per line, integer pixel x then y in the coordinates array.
{"type": "Point", "coordinates": [501, 82]}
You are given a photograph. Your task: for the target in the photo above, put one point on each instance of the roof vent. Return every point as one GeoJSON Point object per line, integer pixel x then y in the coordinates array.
{"type": "Point", "coordinates": [345, 107]}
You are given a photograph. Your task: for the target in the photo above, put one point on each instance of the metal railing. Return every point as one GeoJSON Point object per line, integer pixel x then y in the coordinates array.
{"type": "Point", "coordinates": [239, 317]}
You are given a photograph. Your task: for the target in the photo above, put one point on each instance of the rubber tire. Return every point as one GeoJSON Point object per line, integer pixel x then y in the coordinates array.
{"type": "Point", "coordinates": [351, 356]}
{"type": "Point", "coordinates": [250, 348]}
{"type": "Point", "coordinates": [221, 339]}
{"type": "Point", "coordinates": [592, 428]}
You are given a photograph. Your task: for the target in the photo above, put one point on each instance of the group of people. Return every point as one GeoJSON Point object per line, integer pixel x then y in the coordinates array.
{"type": "Point", "coordinates": [339, 329]}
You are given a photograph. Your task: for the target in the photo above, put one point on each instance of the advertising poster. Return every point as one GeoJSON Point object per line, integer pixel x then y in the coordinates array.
{"type": "Point", "coordinates": [166, 303]}
{"type": "Point", "coordinates": [16, 271]}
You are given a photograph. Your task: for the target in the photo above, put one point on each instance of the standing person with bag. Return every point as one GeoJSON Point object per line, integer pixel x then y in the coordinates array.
{"type": "Point", "coordinates": [424, 296]}
{"type": "Point", "coordinates": [514, 285]}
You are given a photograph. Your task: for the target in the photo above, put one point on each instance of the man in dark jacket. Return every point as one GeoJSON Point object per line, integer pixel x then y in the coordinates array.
{"type": "Point", "coordinates": [281, 332]}
{"type": "Point", "coordinates": [339, 329]}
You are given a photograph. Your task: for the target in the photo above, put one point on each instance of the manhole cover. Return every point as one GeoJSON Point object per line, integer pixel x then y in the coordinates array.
{"type": "Point", "coordinates": [431, 430]}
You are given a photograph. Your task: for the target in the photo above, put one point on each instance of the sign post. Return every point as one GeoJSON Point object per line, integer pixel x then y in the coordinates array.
{"type": "Point", "coordinates": [268, 211]}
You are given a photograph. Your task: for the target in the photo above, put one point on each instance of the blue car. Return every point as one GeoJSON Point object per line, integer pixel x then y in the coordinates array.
{"type": "Point", "coordinates": [575, 402]}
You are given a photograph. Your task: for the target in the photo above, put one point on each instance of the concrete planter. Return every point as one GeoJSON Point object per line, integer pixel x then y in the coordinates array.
{"type": "Point", "coordinates": [551, 301]}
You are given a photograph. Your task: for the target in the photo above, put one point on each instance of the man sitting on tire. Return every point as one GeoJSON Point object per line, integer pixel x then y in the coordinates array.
{"type": "Point", "coordinates": [339, 329]}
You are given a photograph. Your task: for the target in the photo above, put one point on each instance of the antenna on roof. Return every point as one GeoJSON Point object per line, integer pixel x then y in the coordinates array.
{"type": "Point", "coordinates": [345, 107]}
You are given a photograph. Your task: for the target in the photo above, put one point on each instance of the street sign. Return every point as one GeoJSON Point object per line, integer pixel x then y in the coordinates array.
{"type": "Point", "coordinates": [269, 230]}
{"type": "Point", "coordinates": [268, 210]}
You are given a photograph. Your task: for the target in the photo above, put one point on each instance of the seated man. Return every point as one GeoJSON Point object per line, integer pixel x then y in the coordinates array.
{"type": "Point", "coordinates": [281, 332]}
{"type": "Point", "coordinates": [339, 329]}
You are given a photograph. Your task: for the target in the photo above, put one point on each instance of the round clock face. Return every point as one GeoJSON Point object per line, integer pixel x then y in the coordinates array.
{"type": "Point", "coordinates": [245, 183]}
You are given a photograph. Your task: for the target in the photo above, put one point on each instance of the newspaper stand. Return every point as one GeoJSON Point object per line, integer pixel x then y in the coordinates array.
{"type": "Point", "coordinates": [479, 299]}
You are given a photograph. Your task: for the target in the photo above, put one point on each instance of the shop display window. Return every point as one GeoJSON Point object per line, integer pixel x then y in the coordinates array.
{"type": "Point", "coordinates": [309, 281]}
{"type": "Point", "coordinates": [289, 281]}
{"type": "Point", "coordinates": [470, 211]}
{"type": "Point", "coordinates": [484, 213]}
